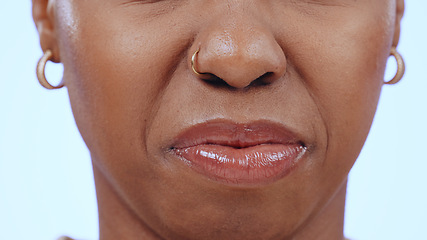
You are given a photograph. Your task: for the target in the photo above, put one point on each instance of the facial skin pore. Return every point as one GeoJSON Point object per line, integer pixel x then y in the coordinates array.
{"type": "Point", "coordinates": [314, 66]}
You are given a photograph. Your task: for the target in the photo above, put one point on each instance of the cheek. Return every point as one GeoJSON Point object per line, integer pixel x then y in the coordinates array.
{"type": "Point", "coordinates": [115, 86]}
{"type": "Point", "coordinates": [112, 76]}
{"type": "Point", "coordinates": [112, 85]}
{"type": "Point", "coordinates": [344, 72]}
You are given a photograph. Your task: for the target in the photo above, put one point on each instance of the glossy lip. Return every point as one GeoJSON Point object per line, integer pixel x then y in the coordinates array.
{"type": "Point", "coordinates": [249, 154]}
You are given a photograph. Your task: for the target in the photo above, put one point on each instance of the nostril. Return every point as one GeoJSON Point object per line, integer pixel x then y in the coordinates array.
{"type": "Point", "coordinates": [265, 79]}
{"type": "Point", "coordinates": [215, 81]}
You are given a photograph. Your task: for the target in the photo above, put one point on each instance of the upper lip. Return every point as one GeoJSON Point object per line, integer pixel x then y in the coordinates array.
{"type": "Point", "coordinates": [236, 135]}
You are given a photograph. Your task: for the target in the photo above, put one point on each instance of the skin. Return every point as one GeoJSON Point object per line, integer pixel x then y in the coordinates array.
{"type": "Point", "coordinates": [316, 66]}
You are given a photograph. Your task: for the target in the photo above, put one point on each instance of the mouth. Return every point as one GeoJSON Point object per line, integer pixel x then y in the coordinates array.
{"type": "Point", "coordinates": [256, 153]}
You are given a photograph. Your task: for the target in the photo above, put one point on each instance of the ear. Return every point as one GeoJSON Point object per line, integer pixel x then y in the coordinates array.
{"type": "Point", "coordinates": [400, 9]}
{"type": "Point", "coordinates": [44, 19]}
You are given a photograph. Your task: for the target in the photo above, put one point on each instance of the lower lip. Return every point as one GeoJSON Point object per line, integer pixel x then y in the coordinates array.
{"type": "Point", "coordinates": [256, 165]}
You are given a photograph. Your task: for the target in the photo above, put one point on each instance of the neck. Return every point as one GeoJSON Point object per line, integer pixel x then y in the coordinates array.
{"type": "Point", "coordinates": [118, 221]}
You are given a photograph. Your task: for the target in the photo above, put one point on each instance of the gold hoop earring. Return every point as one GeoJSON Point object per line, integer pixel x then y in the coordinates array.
{"type": "Point", "coordinates": [41, 65]}
{"type": "Point", "coordinates": [193, 67]}
{"type": "Point", "coordinates": [400, 67]}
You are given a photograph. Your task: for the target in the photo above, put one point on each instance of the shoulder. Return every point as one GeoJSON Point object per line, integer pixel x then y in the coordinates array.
{"type": "Point", "coordinates": [64, 238]}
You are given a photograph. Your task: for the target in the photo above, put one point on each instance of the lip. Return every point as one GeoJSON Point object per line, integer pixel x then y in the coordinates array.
{"type": "Point", "coordinates": [249, 154]}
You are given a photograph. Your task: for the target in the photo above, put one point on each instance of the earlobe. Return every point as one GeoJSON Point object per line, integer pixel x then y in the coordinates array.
{"type": "Point", "coordinates": [44, 19]}
{"type": "Point", "coordinates": [400, 9]}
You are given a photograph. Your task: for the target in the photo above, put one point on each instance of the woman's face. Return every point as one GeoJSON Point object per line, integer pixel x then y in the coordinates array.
{"type": "Point", "coordinates": [312, 67]}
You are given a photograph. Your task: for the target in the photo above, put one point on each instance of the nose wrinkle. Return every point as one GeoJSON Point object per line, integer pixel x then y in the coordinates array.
{"type": "Point", "coordinates": [240, 55]}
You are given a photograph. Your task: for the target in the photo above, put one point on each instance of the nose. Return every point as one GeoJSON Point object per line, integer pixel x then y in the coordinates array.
{"type": "Point", "coordinates": [239, 53]}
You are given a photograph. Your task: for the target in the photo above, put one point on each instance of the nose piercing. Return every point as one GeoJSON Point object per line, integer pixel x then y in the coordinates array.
{"type": "Point", "coordinates": [193, 60]}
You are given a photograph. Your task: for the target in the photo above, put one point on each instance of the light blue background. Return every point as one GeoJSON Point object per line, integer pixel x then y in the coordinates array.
{"type": "Point", "coordinates": [46, 184]}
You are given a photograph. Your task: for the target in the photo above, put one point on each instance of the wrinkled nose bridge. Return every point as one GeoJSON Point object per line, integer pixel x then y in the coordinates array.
{"type": "Point", "coordinates": [240, 51]}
